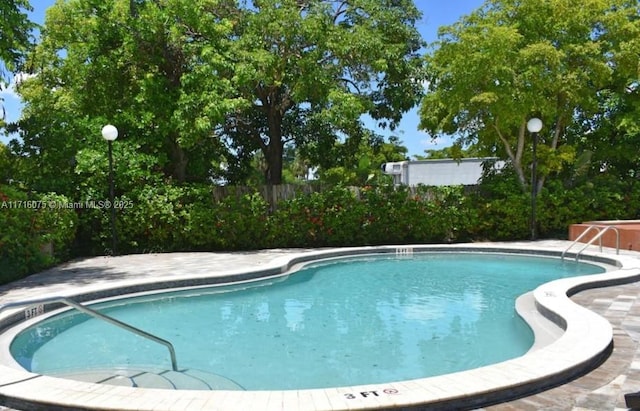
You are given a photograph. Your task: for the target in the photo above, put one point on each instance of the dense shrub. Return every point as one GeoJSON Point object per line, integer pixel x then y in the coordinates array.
{"type": "Point", "coordinates": [153, 219]}
{"type": "Point", "coordinates": [177, 218]}
{"type": "Point", "coordinates": [505, 211]}
{"type": "Point", "coordinates": [57, 224]}
{"type": "Point", "coordinates": [602, 198]}
{"type": "Point", "coordinates": [188, 219]}
{"type": "Point", "coordinates": [502, 219]}
{"type": "Point", "coordinates": [148, 219]}
{"type": "Point", "coordinates": [371, 216]}
{"type": "Point", "coordinates": [396, 216]}
{"type": "Point", "coordinates": [329, 218]}
{"type": "Point", "coordinates": [240, 223]}
{"type": "Point", "coordinates": [164, 218]}
{"type": "Point", "coordinates": [439, 215]}
{"type": "Point", "coordinates": [36, 231]}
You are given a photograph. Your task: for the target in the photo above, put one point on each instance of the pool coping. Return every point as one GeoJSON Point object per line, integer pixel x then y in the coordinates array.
{"type": "Point", "coordinates": [586, 342]}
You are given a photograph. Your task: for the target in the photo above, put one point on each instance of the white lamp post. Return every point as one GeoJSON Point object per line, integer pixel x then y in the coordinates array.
{"type": "Point", "coordinates": [534, 126]}
{"type": "Point", "coordinates": [110, 133]}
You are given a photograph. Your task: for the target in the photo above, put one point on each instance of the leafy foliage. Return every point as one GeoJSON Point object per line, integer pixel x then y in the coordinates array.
{"type": "Point", "coordinates": [30, 224]}
{"type": "Point", "coordinates": [268, 90]}
{"type": "Point", "coordinates": [198, 87]}
{"type": "Point", "coordinates": [15, 39]}
{"type": "Point", "coordinates": [309, 70]}
{"type": "Point", "coordinates": [135, 65]}
{"type": "Point", "coordinates": [357, 162]}
{"type": "Point", "coordinates": [377, 215]}
{"type": "Point", "coordinates": [15, 34]}
{"type": "Point", "coordinates": [5, 164]}
{"type": "Point", "coordinates": [512, 60]}
{"type": "Point", "coordinates": [186, 218]}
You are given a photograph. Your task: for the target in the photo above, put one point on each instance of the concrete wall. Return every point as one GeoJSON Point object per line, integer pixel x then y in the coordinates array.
{"type": "Point", "coordinates": [628, 230]}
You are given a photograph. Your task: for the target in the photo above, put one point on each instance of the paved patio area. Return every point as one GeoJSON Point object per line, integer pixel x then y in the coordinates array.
{"type": "Point", "coordinates": [600, 390]}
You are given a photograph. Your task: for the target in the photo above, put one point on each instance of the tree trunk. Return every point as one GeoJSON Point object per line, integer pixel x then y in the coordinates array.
{"type": "Point", "coordinates": [274, 150]}
{"type": "Point", "coordinates": [179, 161]}
{"type": "Point", "coordinates": [516, 158]}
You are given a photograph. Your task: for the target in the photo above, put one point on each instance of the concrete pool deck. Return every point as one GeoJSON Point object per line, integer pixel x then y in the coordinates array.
{"type": "Point", "coordinates": [600, 389]}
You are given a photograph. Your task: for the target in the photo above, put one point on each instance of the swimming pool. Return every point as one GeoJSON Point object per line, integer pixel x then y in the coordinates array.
{"type": "Point", "coordinates": [348, 321]}
{"type": "Point", "coordinates": [586, 341]}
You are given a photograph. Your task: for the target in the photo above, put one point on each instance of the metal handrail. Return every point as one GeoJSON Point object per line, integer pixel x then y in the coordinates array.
{"type": "Point", "coordinates": [584, 233]}
{"type": "Point", "coordinates": [599, 237]}
{"type": "Point", "coordinates": [100, 316]}
{"type": "Point", "coordinates": [601, 231]}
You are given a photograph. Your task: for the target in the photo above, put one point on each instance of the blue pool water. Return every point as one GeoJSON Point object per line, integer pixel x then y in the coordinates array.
{"type": "Point", "coordinates": [359, 320]}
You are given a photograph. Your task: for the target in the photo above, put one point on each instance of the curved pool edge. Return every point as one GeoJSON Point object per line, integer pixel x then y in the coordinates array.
{"type": "Point", "coordinates": [586, 342]}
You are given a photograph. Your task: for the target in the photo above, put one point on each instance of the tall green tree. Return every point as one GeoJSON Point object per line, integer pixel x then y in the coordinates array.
{"type": "Point", "coordinates": [308, 70]}
{"type": "Point", "coordinates": [512, 60]}
{"type": "Point", "coordinates": [196, 88]}
{"type": "Point", "coordinates": [611, 137]}
{"type": "Point", "coordinates": [15, 38]}
{"type": "Point", "coordinates": [140, 65]}
{"type": "Point", "coordinates": [15, 35]}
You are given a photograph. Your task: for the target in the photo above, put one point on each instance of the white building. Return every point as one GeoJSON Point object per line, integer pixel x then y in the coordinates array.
{"type": "Point", "coordinates": [443, 172]}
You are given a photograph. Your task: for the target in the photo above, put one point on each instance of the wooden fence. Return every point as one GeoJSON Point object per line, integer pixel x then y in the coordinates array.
{"type": "Point", "coordinates": [273, 194]}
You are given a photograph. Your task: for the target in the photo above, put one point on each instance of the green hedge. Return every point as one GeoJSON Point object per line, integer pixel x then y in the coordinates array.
{"type": "Point", "coordinates": [187, 218]}
{"type": "Point", "coordinates": [603, 198]}
{"type": "Point", "coordinates": [176, 218]}
{"type": "Point", "coordinates": [172, 218]}
{"type": "Point", "coordinates": [36, 231]}
{"type": "Point", "coordinates": [148, 219]}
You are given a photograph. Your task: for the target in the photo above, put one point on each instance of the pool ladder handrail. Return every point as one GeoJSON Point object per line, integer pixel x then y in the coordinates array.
{"type": "Point", "coordinates": [602, 229]}
{"type": "Point", "coordinates": [98, 315]}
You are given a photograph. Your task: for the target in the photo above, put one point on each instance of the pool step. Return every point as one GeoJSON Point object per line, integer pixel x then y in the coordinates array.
{"type": "Point", "coordinates": [544, 330]}
{"type": "Point", "coordinates": [185, 379]}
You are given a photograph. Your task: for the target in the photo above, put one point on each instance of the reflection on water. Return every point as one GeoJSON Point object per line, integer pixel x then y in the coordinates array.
{"type": "Point", "coordinates": [369, 320]}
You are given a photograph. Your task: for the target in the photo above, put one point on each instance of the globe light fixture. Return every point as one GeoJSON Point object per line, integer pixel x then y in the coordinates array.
{"type": "Point", "coordinates": [534, 125]}
{"type": "Point", "coordinates": [109, 132]}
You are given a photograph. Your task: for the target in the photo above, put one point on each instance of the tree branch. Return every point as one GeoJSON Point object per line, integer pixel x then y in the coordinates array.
{"type": "Point", "coordinates": [557, 131]}
{"type": "Point", "coordinates": [517, 158]}
{"type": "Point", "coordinates": [506, 144]}
{"type": "Point", "coordinates": [339, 11]}
{"type": "Point", "coordinates": [521, 134]}
{"type": "Point", "coordinates": [348, 81]}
